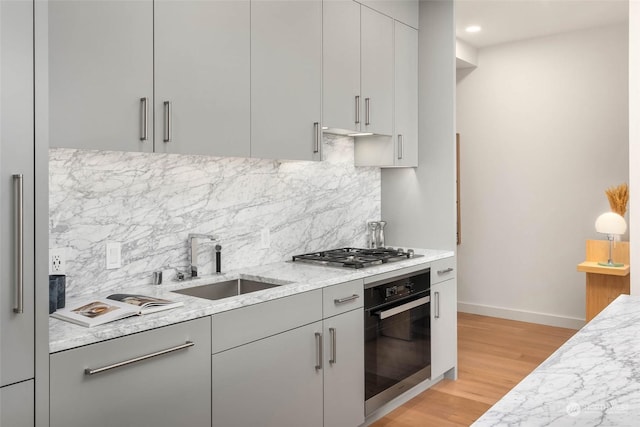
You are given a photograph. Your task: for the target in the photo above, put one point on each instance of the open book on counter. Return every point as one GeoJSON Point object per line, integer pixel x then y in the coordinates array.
{"type": "Point", "coordinates": [96, 311]}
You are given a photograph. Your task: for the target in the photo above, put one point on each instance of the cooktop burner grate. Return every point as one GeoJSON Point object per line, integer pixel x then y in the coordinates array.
{"type": "Point", "coordinates": [355, 257]}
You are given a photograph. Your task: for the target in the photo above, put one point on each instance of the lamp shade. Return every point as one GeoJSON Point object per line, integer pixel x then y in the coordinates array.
{"type": "Point", "coordinates": [611, 223]}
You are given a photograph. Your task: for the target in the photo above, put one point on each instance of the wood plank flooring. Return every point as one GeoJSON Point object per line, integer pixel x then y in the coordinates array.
{"type": "Point", "coordinates": [493, 356]}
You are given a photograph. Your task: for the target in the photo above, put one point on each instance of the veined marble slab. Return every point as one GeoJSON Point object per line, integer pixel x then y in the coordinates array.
{"type": "Point", "coordinates": [592, 380]}
{"type": "Point", "coordinates": [300, 277]}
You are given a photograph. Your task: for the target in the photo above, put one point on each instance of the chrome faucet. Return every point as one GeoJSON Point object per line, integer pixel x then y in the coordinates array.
{"type": "Point", "coordinates": [193, 250]}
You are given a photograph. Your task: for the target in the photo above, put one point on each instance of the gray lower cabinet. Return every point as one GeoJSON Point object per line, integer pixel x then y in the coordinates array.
{"type": "Point", "coordinates": [101, 74]}
{"type": "Point", "coordinates": [444, 318]}
{"type": "Point", "coordinates": [16, 405]}
{"type": "Point", "coordinates": [286, 79]}
{"type": "Point", "coordinates": [272, 382]}
{"type": "Point", "coordinates": [202, 77]}
{"type": "Point", "coordinates": [171, 388]}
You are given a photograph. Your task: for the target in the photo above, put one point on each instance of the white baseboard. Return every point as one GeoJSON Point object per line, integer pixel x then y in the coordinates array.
{"type": "Point", "coordinates": [522, 315]}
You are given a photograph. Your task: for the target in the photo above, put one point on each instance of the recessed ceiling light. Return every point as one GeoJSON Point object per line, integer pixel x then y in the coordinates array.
{"type": "Point", "coordinates": [473, 29]}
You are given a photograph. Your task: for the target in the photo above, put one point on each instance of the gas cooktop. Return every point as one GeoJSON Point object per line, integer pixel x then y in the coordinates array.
{"type": "Point", "coordinates": [356, 257]}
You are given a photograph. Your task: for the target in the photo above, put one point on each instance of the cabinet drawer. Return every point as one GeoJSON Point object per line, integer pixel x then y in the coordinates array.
{"type": "Point", "coordinates": [443, 269]}
{"type": "Point", "coordinates": [341, 298]}
{"type": "Point", "coordinates": [131, 394]}
{"type": "Point", "coordinates": [243, 325]}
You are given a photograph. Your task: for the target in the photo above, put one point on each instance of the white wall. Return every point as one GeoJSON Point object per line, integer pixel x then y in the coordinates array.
{"type": "Point", "coordinates": [634, 139]}
{"type": "Point", "coordinates": [544, 131]}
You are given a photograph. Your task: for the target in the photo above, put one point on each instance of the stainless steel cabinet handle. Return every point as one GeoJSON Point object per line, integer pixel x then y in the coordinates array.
{"type": "Point", "coordinates": [437, 310]}
{"type": "Point", "coordinates": [18, 180]}
{"type": "Point", "coordinates": [90, 371]}
{"type": "Point", "coordinates": [400, 147]}
{"type": "Point", "coordinates": [316, 131]}
{"type": "Point", "coordinates": [367, 111]}
{"type": "Point", "coordinates": [346, 299]}
{"type": "Point", "coordinates": [357, 109]}
{"type": "Point", "coordinates": [167, 121]}
{"type": "Point", "coordinates": [318, 351]}
{"type": "Point", "coordinates": [445, 271]}
{"type": "Point", "coordinates": [144, 115]}
{"type": "Point", "coordinates": [402, 308]}
{"type": "Point", "coordinates": [332, 335]}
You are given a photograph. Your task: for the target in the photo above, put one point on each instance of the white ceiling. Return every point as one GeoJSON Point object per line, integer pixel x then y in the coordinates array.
{"type": "Point", "coordinates": [510, 20]}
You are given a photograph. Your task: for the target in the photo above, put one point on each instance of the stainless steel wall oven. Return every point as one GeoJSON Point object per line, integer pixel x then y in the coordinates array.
{"type": "Point", "coordinates": [397, 336]}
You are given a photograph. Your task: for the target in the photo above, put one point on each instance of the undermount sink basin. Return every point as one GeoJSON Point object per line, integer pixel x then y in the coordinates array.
{"type": "Point", "coordinates": [228, 288]}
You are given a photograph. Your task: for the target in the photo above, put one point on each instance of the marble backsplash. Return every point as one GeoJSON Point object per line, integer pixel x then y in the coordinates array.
{"type": "Point", "coordinates": [151, 202]}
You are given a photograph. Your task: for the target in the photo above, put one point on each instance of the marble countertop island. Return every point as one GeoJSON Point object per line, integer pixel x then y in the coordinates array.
{"type": "Point", "coordinates": [294, 277]}
{"type": "Point", "coordinates": [592, 380]}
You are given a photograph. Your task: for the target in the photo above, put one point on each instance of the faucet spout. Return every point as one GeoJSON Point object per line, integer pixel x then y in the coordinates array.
{"type": "Point", "coordinates": [193, 250]}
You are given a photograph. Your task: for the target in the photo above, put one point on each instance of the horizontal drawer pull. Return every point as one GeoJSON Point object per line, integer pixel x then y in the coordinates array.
{"type": "Point", "coordinates": [446, 270]}
{"type": "Point", "coordinates": [346, 299]}
{"type": "Point", "coordinates": [90, 371]}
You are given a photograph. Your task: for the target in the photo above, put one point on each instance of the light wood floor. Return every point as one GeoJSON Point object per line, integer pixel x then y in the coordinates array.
{"type": "Point", "coordinates": [493, 356]}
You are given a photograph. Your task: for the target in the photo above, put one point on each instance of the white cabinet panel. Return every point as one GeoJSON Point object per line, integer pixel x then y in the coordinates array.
{"type": "Point", "coordinates": [16, 157]}
{"type": "Point", "coordinates": [272, 382]}
{"type": "Point", "coordinates": [341, 102]}
{"type": "Point", "coordinates": [172, 389]}
{"type": "Point", "coordinates": [406, 95]}
{"type": "Point", "coordinates": [286, 68]}
{"type": "Point", "coordinates": [100, 66]}
{"type": "Point", "coordinates": [377, 72]}
{"type": "Point", "coordinates": [202, 69]}
{"type": "Point", "coordinates": [405, 11]}
{"type": "Point", "coordinates": [444, 333]}
{"type": "Point", "coordinates": [16, 405]}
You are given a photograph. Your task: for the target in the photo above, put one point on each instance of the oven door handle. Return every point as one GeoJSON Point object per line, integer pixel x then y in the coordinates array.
{"type": "Point", "coordinates": [402, 308]}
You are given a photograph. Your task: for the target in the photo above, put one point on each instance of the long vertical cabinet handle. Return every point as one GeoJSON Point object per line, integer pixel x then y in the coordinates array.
{"type": "Point", "coordinates": [318, 351]}
{"type": "Point", "coordinates": [18, 180]}
{"type": "Point", "coordinates": [357, 109]}
{"type": "Point", "coordinates": [167, 121]}
{"type": "Point", "coordinates": [332, 336]}
{"type": "Point", "coordinates": [400, 147]}
{"type": "Point", "coordinates": [144, 122]}
{"type": "Point", "coordinates": [367, 111]}
{"type": "Point", "coordinates": [437, 298]}
{"type": "Point", "coordinates": [316, 132]}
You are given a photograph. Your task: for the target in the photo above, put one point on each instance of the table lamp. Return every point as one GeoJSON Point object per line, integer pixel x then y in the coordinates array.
{"type": "Point", "coordinates": [612, 225]}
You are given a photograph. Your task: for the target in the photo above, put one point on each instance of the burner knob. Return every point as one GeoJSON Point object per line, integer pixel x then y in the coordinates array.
{"type": "Point", "coordinates": [400, 251]}
{"type": "Point", "coordinates": [410, 253]}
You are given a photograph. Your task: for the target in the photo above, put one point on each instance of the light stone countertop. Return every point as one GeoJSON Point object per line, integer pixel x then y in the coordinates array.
{"type": "Point", "coordinates": [592, 380]}
{"type": "Point", "coordinates": [295, 277]}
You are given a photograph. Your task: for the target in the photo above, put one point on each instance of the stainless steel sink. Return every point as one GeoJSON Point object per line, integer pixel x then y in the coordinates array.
{"type": "Point", "coordinates": [228, 288]}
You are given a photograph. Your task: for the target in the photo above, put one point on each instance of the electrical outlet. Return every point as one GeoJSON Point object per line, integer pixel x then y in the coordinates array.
{"type": "Point", "coordinates": [114, 255]}
{"type": "Point", "coordinates": [57, 261]}
{"type": "Point", "coordinates": [265, 238]}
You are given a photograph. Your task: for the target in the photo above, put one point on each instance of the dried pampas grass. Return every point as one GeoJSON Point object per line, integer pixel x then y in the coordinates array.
{"type": "Point", "coordinates": [618, 198]}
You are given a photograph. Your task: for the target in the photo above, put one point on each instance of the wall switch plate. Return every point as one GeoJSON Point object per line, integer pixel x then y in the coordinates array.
{"type": "Point", "coordinates": [114, 258]}
{"type": "Point", "coordinates": [265, 238]}
{"type": "Point", "coordinates": [57, 260]}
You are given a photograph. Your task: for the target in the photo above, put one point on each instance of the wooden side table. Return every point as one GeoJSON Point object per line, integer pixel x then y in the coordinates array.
{"type": "Point", "coordinates": [604, 284]}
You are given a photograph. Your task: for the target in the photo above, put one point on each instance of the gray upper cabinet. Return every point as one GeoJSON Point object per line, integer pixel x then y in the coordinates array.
{"type": "Point", "coordinates": [377, 72]}
{"type": "Point", "coordinates": [405, 11]}
{"type": "Point", "coordinates": [202, 77]}
{"type": "Point", "coordinates": [341, 101]}
{"type": "Point", "coordinates": [101, 74]}
{"type": "Point", "coordinates": [406, 95]}
{"type": "Point", "coordinates": [17, 151]}
{"type": "Point", "coordinates": [286, 68]}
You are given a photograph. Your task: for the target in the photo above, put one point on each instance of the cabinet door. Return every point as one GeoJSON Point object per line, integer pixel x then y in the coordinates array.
{"type": "Point", "coordinates": [16, 405]}
{"type": "Point", "coordinates": [16, 158]}
{"type": "Point", "coordinates": [444, 333]}
{"type": "Point", "coordinates": [100, 69]}
{"type": "Point", "coordinates": [172, 389]}
{"type": "Point", "coordinates": [286, 68]}
{"type": "Point", "coordinates": [202, 72]}
{"type": "Point", "coordinates": [406, 95]}
{"type": "Point", "coordinates": [344, 369]}
{"type": "Point", "coordinates": [405, 11]}
{"type": "Point", "coordinates": [377, 72]}
{"type": "Point", "coordinates": [341, 101]}
{"type": "Point", "coordinates": [272, 382]}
